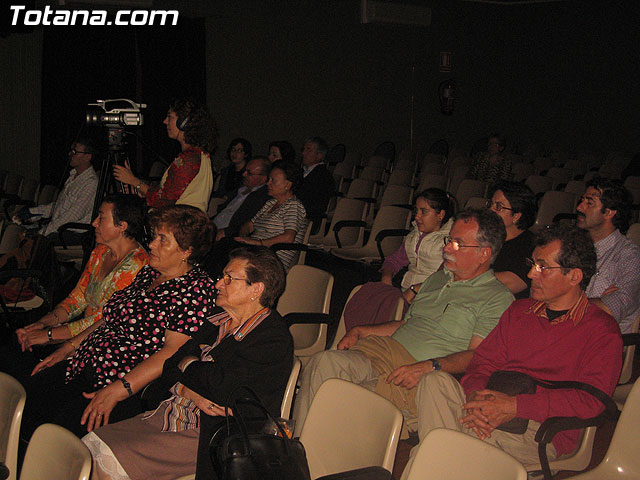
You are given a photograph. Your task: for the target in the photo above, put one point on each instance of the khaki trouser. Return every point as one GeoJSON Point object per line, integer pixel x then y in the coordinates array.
{"type": "Point", "coordinates": [440, 398]}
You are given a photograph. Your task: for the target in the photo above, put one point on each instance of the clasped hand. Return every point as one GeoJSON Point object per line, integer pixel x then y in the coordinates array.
{"type": "Point", "coordinates": [486, 410]}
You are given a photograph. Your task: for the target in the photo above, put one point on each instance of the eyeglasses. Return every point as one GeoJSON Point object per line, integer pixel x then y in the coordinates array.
{"type": "Point", "coordinates": [227, 279]}
{"type": "Point", "coordinates": [73, 151]}
{"type": "Point", "coordinates": [249, 174]}
{"type": "Point", "coordinates": [499, 206]}
{"type": "Point", "coordinates": [456, 244]}
{"type": "Point", "coordinates": [542, 268]}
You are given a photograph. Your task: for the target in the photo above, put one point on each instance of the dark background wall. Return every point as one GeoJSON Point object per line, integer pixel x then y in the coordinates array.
{"type": "Point", "coordinates": [561, 75]}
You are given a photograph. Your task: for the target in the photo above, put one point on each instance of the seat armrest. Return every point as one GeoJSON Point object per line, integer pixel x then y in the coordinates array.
{"type": "Point", "coordinates": [346, 223]}
{"type": "Point", "coordinates": [365, 473]}
{"type": "Point", "coordinates": [391, 232]}
{"type": "Point", "coordinates": [299, 317]}
{"type": "Point", "coordinates": [70, 225]}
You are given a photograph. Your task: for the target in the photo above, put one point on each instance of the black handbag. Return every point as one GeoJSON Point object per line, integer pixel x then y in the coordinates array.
{"type": "Point", "coordinates": [515, 383]}
{"type": "Point", "coordinates": [239, 449]}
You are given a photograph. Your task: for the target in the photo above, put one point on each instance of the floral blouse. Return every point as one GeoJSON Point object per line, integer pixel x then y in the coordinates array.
{"type": "Point", "coordinates": [135, 320]}
{"type": "Point", "coordinates": [90, 294]}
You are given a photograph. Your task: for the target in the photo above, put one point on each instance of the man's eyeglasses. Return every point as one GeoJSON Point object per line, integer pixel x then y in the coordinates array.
{"type": "Point", "coordinates": [456, 244]}
{"type": "Point", "coordinates": [250, 174]}
{"type": "Point", "coordinates": [73, 151]}
{"type": "Point", "coordinates": [227, 279]}
{"type": "Point", "coordinates": [542, 268]}
{"type": "Point", "coordinates": [499, 206]}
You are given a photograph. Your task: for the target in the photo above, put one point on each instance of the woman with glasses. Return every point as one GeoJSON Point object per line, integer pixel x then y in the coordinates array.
{"type": "Point", "coordinates": [92, 379]}
{"type": "Point", "coordinates": [516, 205]}
{"type": "Point", "coordinates": [420, 252]}
{"type": "Point", "coordinates": [245, 342]}
{"type": "Point", "coordinates": [189, 178]}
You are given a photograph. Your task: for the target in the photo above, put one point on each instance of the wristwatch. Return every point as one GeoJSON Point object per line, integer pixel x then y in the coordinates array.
{"type": "Point", "coordinates": [127, 386]}
{"type": "Point", "coordinates": [436, 364]}
{"type": "Point", "coordinates": [413, 289]}
{"type": "Point", "coordinates": [50, 334]}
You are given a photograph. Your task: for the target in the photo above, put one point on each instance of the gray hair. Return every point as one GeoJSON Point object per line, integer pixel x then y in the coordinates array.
{"type": "Point", "coordinates": [491, 230]}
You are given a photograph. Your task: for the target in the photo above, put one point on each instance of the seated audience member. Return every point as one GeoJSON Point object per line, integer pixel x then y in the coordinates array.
{"type": "Point", "coordinates": [421, 251]}
{"type": "Point", "coordinates": [604, 213]}
{"type": "Point", "coordinates": [112, 266]}
{"type": "Point", "coordinates": [238, 154]}
{"type": "Point", "coordinates": [557, 334]}
{"type": "Point", "coordinates": [75, 201]}
{"type": "Point", "coordinates": [243, 203]}
{"type": "Point", "coordinates": [491, 166]}
{"type": "Point", "coordinates": [452, 312]}
{"type": "Point", "coordinates": [246, 342]}
{"type": "Point", "coordinates": [516, 205]}
{"type": "Point", "coordinates": [142, 325]}
{"type": "Point", "coordinates": [189, 179]}
{"type": "Point", "coordinates": [317, 186]}
{"type": "Point", "coordinates": [281, 219]}
{"type": "Point", "coordinates": [281, 150]}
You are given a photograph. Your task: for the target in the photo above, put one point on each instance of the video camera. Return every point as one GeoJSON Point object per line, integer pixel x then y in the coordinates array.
{"type": "Point", "coordinates": [119, 112]}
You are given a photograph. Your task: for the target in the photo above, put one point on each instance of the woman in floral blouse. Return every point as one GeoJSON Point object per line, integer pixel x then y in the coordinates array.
{"type": "Point", "coordinates": [113, 265]}
{"type": "Point", "coordinates": [142, 326]}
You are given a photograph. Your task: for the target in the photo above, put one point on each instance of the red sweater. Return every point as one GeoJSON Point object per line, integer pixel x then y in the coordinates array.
{"type": "Point", "coordinates": [583, 345]}
{"type": "Point", "coordinates": [184, 168]}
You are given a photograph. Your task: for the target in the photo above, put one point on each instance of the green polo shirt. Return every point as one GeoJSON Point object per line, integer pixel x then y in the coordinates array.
{"type": "Point", "coordinates": [446, 314]}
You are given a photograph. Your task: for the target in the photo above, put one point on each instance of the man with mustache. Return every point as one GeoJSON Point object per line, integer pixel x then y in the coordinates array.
{"type": "Point", "coordinates": [557, 334]}
{"type": "Point", "coordinates": [604, 213]}
{"type": "Point", "coordinates": [451, 313]}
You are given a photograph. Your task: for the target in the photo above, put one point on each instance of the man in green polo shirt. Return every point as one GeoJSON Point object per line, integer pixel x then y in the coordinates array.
{"type": "Point", "coordinates": [452, 312]}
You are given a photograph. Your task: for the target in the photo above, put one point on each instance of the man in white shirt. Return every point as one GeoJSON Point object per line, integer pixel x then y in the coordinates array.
{"type": "Point", "coordinates": [75, 201]}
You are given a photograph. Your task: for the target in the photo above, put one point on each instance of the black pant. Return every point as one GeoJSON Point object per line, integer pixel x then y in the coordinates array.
{"type": "Point", "coordinates": [51, 400]}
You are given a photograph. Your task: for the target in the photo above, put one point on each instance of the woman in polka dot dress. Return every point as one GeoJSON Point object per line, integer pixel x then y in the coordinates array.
{"type": "Point", "coordinates": [142, 326]}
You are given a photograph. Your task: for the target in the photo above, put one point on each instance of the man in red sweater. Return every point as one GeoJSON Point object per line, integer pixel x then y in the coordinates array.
{"type": "Point", "coordinates": [555, 335]}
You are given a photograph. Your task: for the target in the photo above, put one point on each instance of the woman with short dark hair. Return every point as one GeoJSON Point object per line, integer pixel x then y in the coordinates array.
{"type": "Point", "coordinates": [142, 326]}
{"type": "Point", "coordinates": [245, 342]}
{"type": "Point", "coordinates": [516, 205]}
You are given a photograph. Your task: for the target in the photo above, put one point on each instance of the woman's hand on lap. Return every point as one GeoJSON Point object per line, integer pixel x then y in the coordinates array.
{"type": "Point", "coordinates": [102, 403]}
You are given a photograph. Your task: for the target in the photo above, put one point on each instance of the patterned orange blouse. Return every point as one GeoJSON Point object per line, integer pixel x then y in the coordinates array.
{"type": "Point", "coordinates": [90, 294]}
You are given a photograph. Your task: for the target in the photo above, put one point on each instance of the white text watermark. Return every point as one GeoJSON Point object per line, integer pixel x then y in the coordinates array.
{"type": "Point", "coordinates": [49, 16]}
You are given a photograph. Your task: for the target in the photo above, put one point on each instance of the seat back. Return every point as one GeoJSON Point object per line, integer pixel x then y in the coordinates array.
{"type": "Point", "coordinates": [12, 183]}
{"type": "Point", "coordinates": [12, 398]}
{"type": "Point", "coordinates": [289, 391]}
{"type": "Point", "coordinates": [633, 233]}
{"type": "Point", "coordinates": [552, 203]}
{"type": "Point", "coordinates": [396, 195]}
{"type": "Point", "coordinates": [308, 290]}
{"type": "Point", "coordinates": [48, 194]}
{"type": "Point", "coordinates": [622, 460]}
{"type": "Point", "coordinates": [577, 187]}
{"type": "Point", "coordinates": [372, 173]}
{"type": "Point", "coordinates": [349, 427]}
{"type": "Point", "coordinates": [454, 455]}
{"type": "Point", "coordinates": [29, 189]}
{"type": "Point", "coordinates": [520, 171]}
{"type": "Point", "coordinates": [346, 209]}
{"type": "Point", "coordinates": [341, 331]}
{"type": "Point", "coordinates": [10, 238]}
{"type": "Point", "coordinates": [400, 177]}
{"type": "Point", "coordinates": [629, 355]}
{"type": "Point", "coordinates": [377, 161]}
{"type": "Point", "coordinates": [470, 188]}
{"type": "Point", "coordinates": [432, 181]}
{"type": "Point", "coordinates": [54, 453]}
{"type": "Point", "coordinates": [361, 188]}
{"type": "Point", "coordinates": [538, 183]}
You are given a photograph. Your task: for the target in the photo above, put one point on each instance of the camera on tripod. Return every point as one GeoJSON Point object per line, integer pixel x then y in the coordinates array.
{"type": "Point", "coordinates": [115, 112]}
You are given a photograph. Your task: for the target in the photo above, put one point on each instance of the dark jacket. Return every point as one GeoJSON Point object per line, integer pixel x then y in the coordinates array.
{"type": "Point", "coordinates": [262, 360]}
{"type": "Point", "coordinates": [246, 211]}
{"type": "Point", "coordinates": [316, 190]}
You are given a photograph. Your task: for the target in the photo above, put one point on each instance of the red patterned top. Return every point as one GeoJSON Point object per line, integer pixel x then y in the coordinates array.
{"type": "Point", "coordinates": [179, 175]}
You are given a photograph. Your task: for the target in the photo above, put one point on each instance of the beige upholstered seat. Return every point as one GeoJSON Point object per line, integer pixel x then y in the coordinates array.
{"type": "Point", "coordinates": [349, 427]}
{"type": "Point", "coordinates": [621, 461]}
{"type": "Point", "coordinates": [12, 398]}
{"type": "Point", "coordinates": [55, 453]}
{"type": "Point", "coordinates": [308, 290]}
{"type": "Point", "coordinates": [450, 455]}
{"type": "Point", "coordinates": [470, 188]}
{"type": "Point", "coordinates": [346, 209]}
{"type": "Point", "coordinates": [553, 203]}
